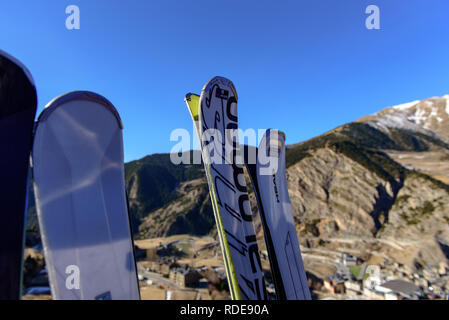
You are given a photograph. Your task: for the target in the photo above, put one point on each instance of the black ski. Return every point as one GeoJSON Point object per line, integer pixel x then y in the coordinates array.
{"type": "Point", "coordinates": [18, 102]}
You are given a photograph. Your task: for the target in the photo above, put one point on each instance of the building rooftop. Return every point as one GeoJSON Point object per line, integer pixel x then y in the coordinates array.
{"type": "Point", "coordinates": [401, 286]}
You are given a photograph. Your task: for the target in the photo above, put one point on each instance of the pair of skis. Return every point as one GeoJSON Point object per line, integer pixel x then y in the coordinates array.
{"type": "Point", "coordinates": [78, 171]}
{"type": "Point", "coordinates": [215, 119]}
{"type": "Point", "coordinates": [217, 108]}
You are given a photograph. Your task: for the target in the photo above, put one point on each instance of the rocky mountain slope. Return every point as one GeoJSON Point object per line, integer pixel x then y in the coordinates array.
{"type": "Point", "coordinates": [190, 213]}
{"type": "Point", "coordinates": [154, 183]}
{"type": "Point", "coordinates": [377, 185]}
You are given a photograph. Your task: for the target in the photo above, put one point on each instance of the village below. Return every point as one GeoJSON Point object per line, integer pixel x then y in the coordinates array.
{"type": "Point", "coordinates": [184, 267]}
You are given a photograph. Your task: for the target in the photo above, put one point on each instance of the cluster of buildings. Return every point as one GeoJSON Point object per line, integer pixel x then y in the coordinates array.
{"type": "Point", "coordinates": [162, 261]}
{"type": "Point", "coordinates": [352, 279]}
{"type": "Point", "coordinates": [387, 282]}
{"type": "Point", "coordinates": [181, 275]}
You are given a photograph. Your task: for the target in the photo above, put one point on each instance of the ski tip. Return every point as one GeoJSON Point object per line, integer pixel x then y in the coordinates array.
{"type": "Point", "coordinates": [20, 65]}
{"type": "Point", "coordinates": [220, 81]}
{"type": "Point", "coordinates": [79, 95]}
{"type": "Point", "coordinates": [17, 90]}
{"type": "Point", "coordinates": [189, 96]}
{"type": "Point", "coordinates": [273, 143]}
{"type": "Point", "coordinates": [275, 132]}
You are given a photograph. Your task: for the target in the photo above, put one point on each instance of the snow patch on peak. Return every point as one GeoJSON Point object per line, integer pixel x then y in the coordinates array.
{"type": "Point", "coordinates": [419, 117]}
{"type": "Point", "coordinates": [399, 121]}
{"type": "Point", "coordinates": [405, 106]}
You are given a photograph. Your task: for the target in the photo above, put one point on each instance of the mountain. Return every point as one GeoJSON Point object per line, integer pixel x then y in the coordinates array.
{"type": "Point", "coordinates": [373, 186]}
{"type": "Point", "coordinates": [377, 186]}
{"type": "Point", "coordinates": [428, 118]}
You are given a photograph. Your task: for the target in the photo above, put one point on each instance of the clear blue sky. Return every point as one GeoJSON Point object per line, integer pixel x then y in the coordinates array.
{"type": "Point", "coordinates": [304, 67]}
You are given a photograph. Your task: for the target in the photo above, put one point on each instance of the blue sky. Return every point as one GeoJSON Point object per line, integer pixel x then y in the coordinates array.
{"type": "Point", "coordinates": [304, 67]}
